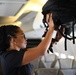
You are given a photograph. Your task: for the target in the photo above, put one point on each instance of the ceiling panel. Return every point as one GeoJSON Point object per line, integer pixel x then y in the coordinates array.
{"type": "Point", "coordinates": [10, 7]}
{"type": "Point", "coordinates": [14, 0]}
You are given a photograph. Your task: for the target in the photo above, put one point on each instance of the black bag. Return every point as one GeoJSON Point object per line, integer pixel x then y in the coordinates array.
{"type": "Point", "coordinates": [64, 14]}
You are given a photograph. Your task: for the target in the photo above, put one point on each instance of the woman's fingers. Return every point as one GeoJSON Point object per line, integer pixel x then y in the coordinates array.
{"type": "Point", "coordinates": [49, 20]}
{"type": "Point", "coordinates": [48, 17]}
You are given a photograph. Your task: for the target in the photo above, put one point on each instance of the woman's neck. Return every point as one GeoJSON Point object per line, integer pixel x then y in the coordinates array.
{"type": "Point", "coordinates": [13, 48]}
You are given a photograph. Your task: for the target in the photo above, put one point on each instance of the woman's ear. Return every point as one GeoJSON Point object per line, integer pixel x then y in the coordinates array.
{"type": "Point", "coordinates": [13, 40]}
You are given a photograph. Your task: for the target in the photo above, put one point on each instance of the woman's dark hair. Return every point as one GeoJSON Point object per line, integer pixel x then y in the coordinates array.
{"type": "Point", "coordinates": [6, 32]}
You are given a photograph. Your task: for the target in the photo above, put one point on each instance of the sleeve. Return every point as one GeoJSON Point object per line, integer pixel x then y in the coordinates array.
{"type": "Point", "coordinates": [14, 58]}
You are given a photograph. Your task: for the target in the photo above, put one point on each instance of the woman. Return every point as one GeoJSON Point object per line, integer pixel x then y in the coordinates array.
{"type": "Point", "coordinates": [15, 60]}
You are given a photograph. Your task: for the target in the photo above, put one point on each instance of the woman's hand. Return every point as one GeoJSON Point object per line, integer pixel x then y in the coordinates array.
{"type": "Point", "coordinates": [49, 20]}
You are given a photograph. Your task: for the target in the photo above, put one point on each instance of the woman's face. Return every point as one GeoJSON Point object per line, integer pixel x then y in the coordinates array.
{"type": "Point", "coordinates": [20, 39]}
